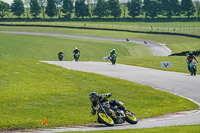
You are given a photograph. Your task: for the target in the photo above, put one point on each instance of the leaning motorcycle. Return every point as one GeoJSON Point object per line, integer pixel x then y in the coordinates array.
{"type": "Point", "coordinates": [193, 68]}
{"type": "Point", "coordinates": [76, 56]}
{"type": "Point", "coordinates": [105, 118]}
{"type": "Point", "coordinates": [113, 59]}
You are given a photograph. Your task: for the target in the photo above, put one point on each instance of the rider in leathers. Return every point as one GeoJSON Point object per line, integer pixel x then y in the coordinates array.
{"type": "Point", "coordinates": [60, 54]}
{"type": "Point", "coordinates": [190, 58]}
{"type": "Point", "coordinates": [76, 51]}
{"type": "Point", "coordinates": [94, 97]}
{"type": "Point", "coordinates": [112, 52]}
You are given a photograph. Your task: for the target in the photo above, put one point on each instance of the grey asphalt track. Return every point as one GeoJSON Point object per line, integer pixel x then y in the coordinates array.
{"type": "Point", "coordinates": [157, 49]}
{"type": "Point", "coordinates": [181, 84]}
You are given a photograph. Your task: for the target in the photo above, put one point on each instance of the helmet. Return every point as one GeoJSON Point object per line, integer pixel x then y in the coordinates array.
{"type": "Point", "coordinates": [113, 49]}
{"type": "Point", "coordinates": [93, 96]}
{"type": "Point", "coordinates": [190, 53]}
{"type": "Point", "coordinates": [76, 48]}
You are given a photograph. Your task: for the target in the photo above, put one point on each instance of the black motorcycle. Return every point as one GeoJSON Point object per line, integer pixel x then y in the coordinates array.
{"type": "Point", "coordinates": [106, 119]}
{"type": "Point", "coordinates": [113, 58]}
{"type": "Point", "coordinates": [76, 56]}
{"type": "Point", "coordinates": [193, 68]}
{"type": "Point", "coordinates": [60, 57]}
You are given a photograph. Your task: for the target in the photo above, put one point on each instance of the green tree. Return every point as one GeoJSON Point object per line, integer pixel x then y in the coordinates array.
{"type": "Point", "coordinates": [101, 9]}
{"type": "Point", "coordinates": [89, 3]}
{"type": "Point", "coordinates": [134, 8]}
{"type": "Point", "coordinates": [197, 5]}
{"type": "Point", "coordinates": [145, 7]}
{"type": "Point", "coordinates": [187, 8]}
{"type": "Point", "coordinates": [81, 9]}
{"type": "Point", "coordinates": [152, 8]}
{"type": "Point", "coordinates": [43, 4]}
{"type": "Point", "coordinates": [124, 7]}
{"type": "Point", "coordinates": [114, 8]}
{"type": "Point", "coordinates": [170, 8]}
{"type": "Point", "coordinates": [92, 7]}
{"type": "Point", "coordinates": [17, 8]}
{"type": "Point", "coordinates": [51, 8]}
{"type": "Point", "coordinates": [67, 8]}
{"type": "Point", "coordinates": [35, 9]}
{"type": "Point", "coordinates": [58, 7]}
{"type": "Point", "coordinates": [4, 9]}
{"type": "Point", "coordinates": [27, 6]}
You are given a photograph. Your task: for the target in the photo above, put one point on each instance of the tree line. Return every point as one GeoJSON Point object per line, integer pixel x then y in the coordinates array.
{"type": "Point", "coordinates": [100, 8]}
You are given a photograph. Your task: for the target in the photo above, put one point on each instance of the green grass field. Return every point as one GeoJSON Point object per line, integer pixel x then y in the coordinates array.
{"type": "Point", "coordinates": [131, 54]}
{"type": "Point", "coordinates": [175, 43]}
{"type": "Point", "coordinates": [28, 46]}
{"type": "Point", "coordinates": [31, 91]}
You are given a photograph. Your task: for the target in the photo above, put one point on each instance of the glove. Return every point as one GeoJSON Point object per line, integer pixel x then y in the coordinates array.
{"type": "Point", "coordinates": [109, 94]}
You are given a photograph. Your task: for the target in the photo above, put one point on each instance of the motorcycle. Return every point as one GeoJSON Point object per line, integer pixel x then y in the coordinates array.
{"type": "Point", "coordinates": [76, 56]}
{"type": "Point", "coordinates": [105, 118]}
{"type": "Point", "coordinates": [193, 68]}
{"type": "Point", "coordinates": [113, 59]}
{"type": "Point", "coordinates": [60, 57]}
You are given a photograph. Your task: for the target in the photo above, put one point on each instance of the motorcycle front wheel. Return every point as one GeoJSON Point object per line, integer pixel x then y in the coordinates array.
{"type": "Point", "coordinates": [131, 118]}
{"type": "Point", "coordinates": [107, 120]}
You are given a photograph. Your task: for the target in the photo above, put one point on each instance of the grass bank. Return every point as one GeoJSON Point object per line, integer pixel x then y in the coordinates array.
{"type": "Point", "coordinates": [46, 48]}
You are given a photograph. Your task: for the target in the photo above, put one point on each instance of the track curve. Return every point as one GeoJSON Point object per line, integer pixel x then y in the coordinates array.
{"type": "Point", "coordinates": [180, 84]}
{"type": "Point", "coordinates": [157, 49]}
{"type": "Point", "coordinates": [176, 83]}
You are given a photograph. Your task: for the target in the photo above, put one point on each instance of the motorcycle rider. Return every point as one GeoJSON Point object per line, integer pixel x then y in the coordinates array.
{"type": "Point", "coordinates": [112, 56]}
{"type": "Point", "coordinates": [94, 97]}
{"type": "Point", "coordinates": [60, 54]}
{"type": "Point", "coordinates": [190, 58]}
{"type": "Point", "coordinates": [76, 51]}
{"type": "Point", "coordinates": [112, 52]}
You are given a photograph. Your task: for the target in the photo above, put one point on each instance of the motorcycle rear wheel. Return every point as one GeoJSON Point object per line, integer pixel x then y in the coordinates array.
{"type": "Point", "coordinates": [107, 120]}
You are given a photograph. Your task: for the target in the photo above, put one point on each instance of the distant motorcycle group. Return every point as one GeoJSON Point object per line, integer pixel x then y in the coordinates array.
{"type": "Point", "coordinates": [76, 52]}
{"type": "Point", "coordinates": [192, 66]}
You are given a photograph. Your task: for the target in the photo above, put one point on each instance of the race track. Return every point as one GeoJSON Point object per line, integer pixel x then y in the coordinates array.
{"type": "Point", "coordinates": [181, 84]}
{"type": "Point", "coordinates": [176, 83]}
{"type": "Point", "coordinates": [157, 49]}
